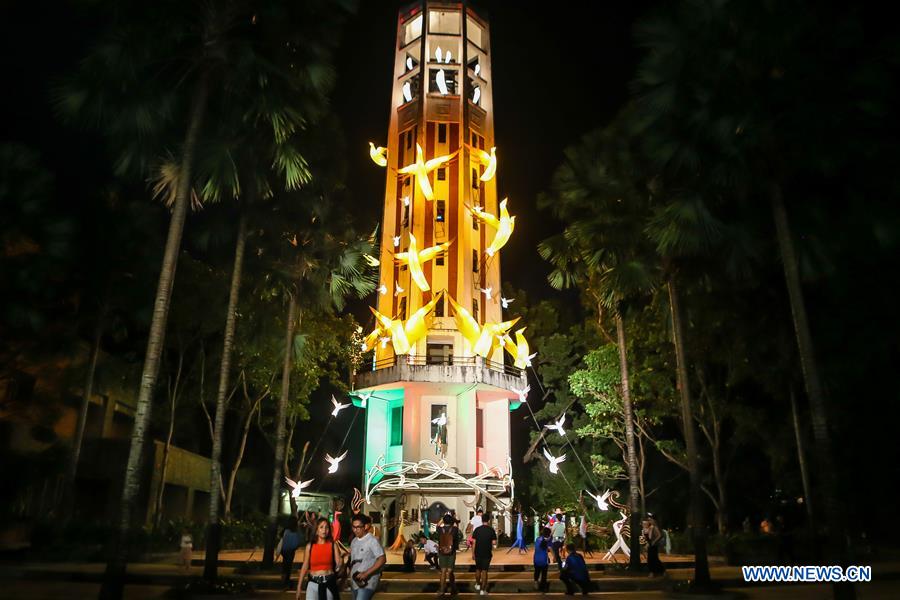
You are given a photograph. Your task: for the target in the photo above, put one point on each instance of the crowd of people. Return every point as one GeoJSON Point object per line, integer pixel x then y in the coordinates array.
{"type": "Point", "coordinates": [329, 566]}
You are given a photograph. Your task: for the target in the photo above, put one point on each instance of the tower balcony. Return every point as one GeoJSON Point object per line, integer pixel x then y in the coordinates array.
{"type": "Point", "coordinates": [473, 370]}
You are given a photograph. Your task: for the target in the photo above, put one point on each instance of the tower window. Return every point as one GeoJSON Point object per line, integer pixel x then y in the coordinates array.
{"type": "Point", "coordinates": [444, 22]}
{"type": "Point", "coordinates": [479, 427]}
{"type": "Point", "coordinates": [409, 139]}
{"type": "Point", "coordinates": [412, 30]}
{"type": "Point", "coordinates": [397, 426]}
{"type": "Point", "coordinates": [439, 210]}
{"type": "Point", "coordinates": [439, 353]}
{"type": "Point", "coordinates": [439, 307]}
{"type": "Point", "coordinates": [449, 78]}
{"type": "Point", "coordinates": [475, 261]}
{"type": "Point", "coordinates": [442, 133]}
{"type": "Point", "coordinates": [438, 432]}
{"type": "Point", "coordinates": [410, 63]}
{"type": "Point", "coordinates": [475, 182]}
{"type": "Point", "coordinates": [474, 32]}
{"type": "Point", "coordinates": [475, 308]}
{"type": "Point", "coordinates": [439, 261]}
{"type": "Point", "coordinates": [442, 174]}
{"type": "Point", "coordinates": [402, 307]}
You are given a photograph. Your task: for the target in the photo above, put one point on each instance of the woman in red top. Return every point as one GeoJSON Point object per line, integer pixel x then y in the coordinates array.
{"type": "Point", "coordinates": [322, 560]}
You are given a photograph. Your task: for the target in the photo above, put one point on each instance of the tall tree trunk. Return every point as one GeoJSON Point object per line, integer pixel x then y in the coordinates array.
{"type": "Point", "coordinates": [213, 527]}
{"type": "Point", "coordinates": [173, 400]}
{"type": "Point", "coordinates": [643, 461]}
{"type": "Point", "coordinates": [271, 530]}
{"type": "Point", "coordinates": [801, 458]}
{"type": "Point", "coordinates": [87, 391]}
{"type": "Point", "coordinates": [232, 477]}
{"type": "Point", "coordinates": [721, 508]}
{"type": "Point", "coordinates": [818, 411]}
{"type": "Point", "coordinates": [114, 578]}
{"type": "Point", "coordinates": [634, 562]}
{"type": "Point", "coordinates": [695, 520]}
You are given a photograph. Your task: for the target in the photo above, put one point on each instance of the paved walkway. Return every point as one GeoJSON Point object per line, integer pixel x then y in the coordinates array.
{"type": "Point", "coordinates": [54, 581]}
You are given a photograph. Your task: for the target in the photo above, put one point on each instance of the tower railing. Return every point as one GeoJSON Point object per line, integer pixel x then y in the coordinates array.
{"type": "Point", "coordinates": [445, 360]}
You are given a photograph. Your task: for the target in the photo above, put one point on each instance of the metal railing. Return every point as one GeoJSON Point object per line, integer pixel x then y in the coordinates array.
{"type": "Point", "coordinates": [449, 361]}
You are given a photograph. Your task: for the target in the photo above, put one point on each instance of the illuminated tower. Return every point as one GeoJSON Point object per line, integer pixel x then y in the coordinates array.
{"type": "Point", "coordinates": [438, 393]}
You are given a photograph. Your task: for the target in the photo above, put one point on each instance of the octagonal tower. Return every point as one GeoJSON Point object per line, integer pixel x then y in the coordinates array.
{"type": "Point", "coordinates": [437, 408]}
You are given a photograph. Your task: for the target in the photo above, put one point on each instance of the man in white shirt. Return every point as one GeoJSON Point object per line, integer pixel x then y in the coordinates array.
{"type": "Point", "coordinates": [477, 519]}
{"type": "Point", "coordinates": [431, 552]}
{"type": "Point", "coordinates": [366, 559]}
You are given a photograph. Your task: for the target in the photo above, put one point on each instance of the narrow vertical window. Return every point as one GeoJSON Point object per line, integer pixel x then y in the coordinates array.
{"type": "Point", "coordinates": [479, 427]}
{"type": "Point", "coordinates": [439, 211]}
{"type": "Point", "coordinates": [475, 261]}
{"type": "Point", "coordinates": [397, 426]}
{"type": "Point", "coordinates": [442, 133]}
{"type": "Point", "coordinates": [475, 308]}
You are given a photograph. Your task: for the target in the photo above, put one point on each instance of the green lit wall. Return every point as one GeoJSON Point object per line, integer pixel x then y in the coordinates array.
{"type": "Point", "coordinates": [378, 428]}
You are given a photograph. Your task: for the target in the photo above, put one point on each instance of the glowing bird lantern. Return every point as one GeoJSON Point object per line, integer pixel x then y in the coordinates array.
{"type": "Point", "coordinates": [298, 487]}
{"type": "Point", "coordinates": [476, 95]}
{"type": "Point", "coordinates": [421, 168]}
{"type": "Point", "coordinates": [438, 54]}
{"type": "Point", "coordinates": [504, 226]}
{"type": "Point", "coordinates": [554, 461]}
{"type": "Point", "coordinates": [441, 80]}
{"type": "Point", "coordinates": [372, 339]}
{"type": "Point", "coordinates": [407, 92]}
{"type": "Point", "coordinates": [519, 350]}
{"type": "Point", "coordinates": [488, 159]}
{"type": "Point", "coordinates": [482, 339]}
{"type": "Point", "coordinates": [371, 260]}
{"type": "Point", "coordinates": [415, 257]}
{"type": "Point", "coordinates": [378, 155]}
{"type": "Point", "coordinates": [334, 463]}
{"type": "Point", "coordinates": [404, 335]}
{"type": "Point", "coordinates": [338, 406]}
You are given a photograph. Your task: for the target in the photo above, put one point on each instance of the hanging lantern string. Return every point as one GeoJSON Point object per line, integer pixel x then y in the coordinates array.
{"type": "Point", "coordinates": [568, 441]}
{"type": "Point", "coordinates": [350, 427]}
{"type": "Point", "coordinates": [316, 447]}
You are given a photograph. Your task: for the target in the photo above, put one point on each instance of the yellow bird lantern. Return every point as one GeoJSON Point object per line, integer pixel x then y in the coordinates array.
{"type": "Point", "coordinates": [378, 155]}
{"type": "Point", "coordinates": [404, 335]}
{"type": "Point", "coordinates": [481, 339]}
{"type": "Point", "coordinates": [519, 350]}
{"type": "Point", "coordinates": [415, 258]}
{"type": "Point", "coordinates": [504, 226]}
{"type": "Point", "coordinates": [370, 340]}
{"type": "Point", "coordinates": [421, 168]}
{"type": "Point", "coordinates": [489, 160]}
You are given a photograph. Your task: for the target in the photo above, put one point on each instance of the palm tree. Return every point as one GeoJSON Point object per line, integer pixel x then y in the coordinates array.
{"type": "Point", "coordinates": [321, 263]}
{"type": "Point", "coordinates": [601, 251]}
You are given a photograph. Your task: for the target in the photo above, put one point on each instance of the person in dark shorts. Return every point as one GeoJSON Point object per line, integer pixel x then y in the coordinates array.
{"type": "Point", "coordinates": [485, 537]}
{"type": "Point", "coordinates": [448, 544]}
